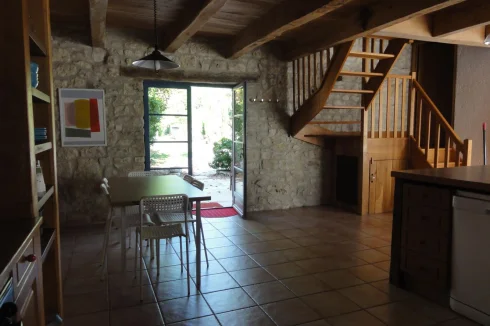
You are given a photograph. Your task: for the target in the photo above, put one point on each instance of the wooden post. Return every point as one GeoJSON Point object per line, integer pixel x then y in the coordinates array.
{"type": "Point", "coordinates": [388, 107]}
{"type": "Point", "coordinates": [419, 121]}
{"type": "Point", "coordinates": [304, 78]}
{"type": "Point", "coordinates": [447, 151]}
{"type": "Point", "coordinates": [395, 113]}
{"type": "Point", "coordinates": [404, 106]}
{"type": "Point", "coordinates": [468, 144]}
{"type": "Point", "coordinates": [294, 85]}
{"type": "Point", "coordinates": [380, 120]}
{"type": "Point", "coordinates": [315, 84]}
{"type": "Point", "coordinates": [438, 140]}
{"type": "Point", "coordinates": [309, 75]}
{"type": "Point", "coordinates": [321, 65]}
{"type": "Point", "coordinates": [427, 141]}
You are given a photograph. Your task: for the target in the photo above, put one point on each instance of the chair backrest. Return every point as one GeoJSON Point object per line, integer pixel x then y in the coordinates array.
{"type": "Point", "coordinates": [198, 184]}
{"type": "Point", "coordinates": [106, 182]}
{"type": "Point", "coordinates": [188, 178]}
{"type": "Point", "coordinates": [145, 173]}
{"type": "Point", "coordinates": [169, 204]}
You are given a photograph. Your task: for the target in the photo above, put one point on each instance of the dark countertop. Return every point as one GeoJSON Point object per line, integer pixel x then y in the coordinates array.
{"type": "Point", "coordinates": [475, 178]}
{"type": "Point", "coordinates": [13, 234]}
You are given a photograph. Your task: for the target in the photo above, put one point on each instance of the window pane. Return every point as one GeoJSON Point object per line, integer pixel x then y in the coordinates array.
{"type": "Point", "coordinates": [167, 101]}
{"type": "Point", "coordinates": [238, 182]}
{"type": "Point", "coordinates": [239, 155]}
{"type": "Point", "coordinates": [238, 129]}
{"type": "Point", "coordinates": [168, 155]}
{"type": "Point", "coordinates": [238, 100]}
{"type": "Point", "coordinates": [167, 128]}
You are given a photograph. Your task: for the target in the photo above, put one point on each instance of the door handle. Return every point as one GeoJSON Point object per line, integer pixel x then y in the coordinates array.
{"type": "Point", "coordinates": [373, 177]}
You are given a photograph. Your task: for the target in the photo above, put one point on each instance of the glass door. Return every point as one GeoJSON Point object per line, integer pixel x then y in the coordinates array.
{"type": "Point", "coordinates": [238, 173]}
{"type": "Point", "coordinates": [167, 127]}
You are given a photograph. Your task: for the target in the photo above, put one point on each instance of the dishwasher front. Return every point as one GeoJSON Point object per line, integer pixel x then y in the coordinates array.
{"type": "Point", "coordinates": [470, 270]}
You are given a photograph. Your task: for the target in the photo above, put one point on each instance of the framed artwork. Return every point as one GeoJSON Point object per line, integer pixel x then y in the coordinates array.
{"type": "Point", "coordinates": [82, 117]}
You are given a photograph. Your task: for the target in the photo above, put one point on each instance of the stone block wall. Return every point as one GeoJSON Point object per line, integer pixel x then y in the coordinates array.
{"type": "Point", "coordinates": [282, 172]}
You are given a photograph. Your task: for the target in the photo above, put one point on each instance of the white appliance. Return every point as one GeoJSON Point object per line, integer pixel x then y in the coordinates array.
{"type": "Point", "coordinates": [470, 282]}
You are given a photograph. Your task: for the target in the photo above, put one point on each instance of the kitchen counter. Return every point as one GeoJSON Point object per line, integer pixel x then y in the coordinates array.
{"type": "Point", "coordinates": [464, 178]}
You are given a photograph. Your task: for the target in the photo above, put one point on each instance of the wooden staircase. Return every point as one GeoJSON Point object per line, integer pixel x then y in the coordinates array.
{"type": "Point", "coordinates": [316, 76]}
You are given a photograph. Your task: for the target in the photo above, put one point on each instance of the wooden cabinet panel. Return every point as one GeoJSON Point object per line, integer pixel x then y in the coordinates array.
{"type": "Point", "coordinates": [424, 268]}
{"type": "Point", "coordinates": [426, 243]}
{"type": "Point", "coordinates": [426, 196]}
{"type": "Point", "coordinates": [29, 312]}
{"type": "Point", "coordinates": [427, 219]}
{"type": "Point", "coordinates": [24, 266]}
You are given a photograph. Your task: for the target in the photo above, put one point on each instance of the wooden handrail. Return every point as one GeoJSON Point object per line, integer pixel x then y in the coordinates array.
{"type": "Point", "coordinates": [446, 126]}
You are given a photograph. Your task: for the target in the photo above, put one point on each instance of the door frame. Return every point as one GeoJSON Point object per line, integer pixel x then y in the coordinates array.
{"type": "Point", "coordinates": [243, 211]}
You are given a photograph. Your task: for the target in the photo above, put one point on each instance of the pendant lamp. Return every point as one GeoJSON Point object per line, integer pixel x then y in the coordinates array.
{"type": "Point", "coordinates": [155, 60]}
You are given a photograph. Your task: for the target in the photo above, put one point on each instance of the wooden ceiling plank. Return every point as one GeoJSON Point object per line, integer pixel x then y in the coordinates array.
{"type": "Point", "coordinates": [188, 25]}
{"type": "Point", "coordinates": [383, 14]}
{"type": "Point", "coordinates": [98, 17]}
{"type": "Point", "coordinates": [282, 18]}
{"type": "Point", "coordinates": [461, 17]}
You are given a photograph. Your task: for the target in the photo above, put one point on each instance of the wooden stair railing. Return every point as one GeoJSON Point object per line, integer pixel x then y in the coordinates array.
{"type": "Point", "coordinates": [430, 127]}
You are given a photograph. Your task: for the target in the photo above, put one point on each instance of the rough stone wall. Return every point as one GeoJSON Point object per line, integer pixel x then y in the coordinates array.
{"type": "Point", "coordinates": [282, 172]}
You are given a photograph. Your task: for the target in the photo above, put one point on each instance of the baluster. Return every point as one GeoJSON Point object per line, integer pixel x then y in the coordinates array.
{"type": "Point", "coordinates": [373, 119]}
{"type": "Point", "coordinates": [321, 66]}
{"type": "Point", "coordinates": [427, 143]}
{"type": "Point", "coordinates": [457, 157]}
{"type": "Point", "coordinates": [388, 107]}
{"type": "Point", "coordinates": [380, 119]}
{"type": "Point", "coordinates": [438, 139]}
{"type": "Point", "coordinates": [404, 105]}
{"type": "Point", "coordinates": [373, 49]}
{"type": "Point", "coordinates": [309, 75]}
{"type": "Point", "coordinates": [298, 86]}
{"type": "Point", "coordinates": [314, 72]}
{"type": "Point", "coordinates": [419, 122]}
{"type": "Point", "coordinates": [395, 113]}
{"type": "Point", "coordinates": [328, 59]}
{"type": "Point", "coordinates": [304, 78]}
{"type": "Point", "coordinates": [447, 151]}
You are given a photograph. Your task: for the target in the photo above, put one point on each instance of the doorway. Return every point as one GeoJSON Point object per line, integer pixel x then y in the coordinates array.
{"type": "Point", "coordinates": [199, 129]}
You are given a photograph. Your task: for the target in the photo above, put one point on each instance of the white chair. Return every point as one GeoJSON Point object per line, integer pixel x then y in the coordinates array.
{"type": "Point", "coordinates": [146, 173]}
{"type": "Point", "coordinates": [188, 178]}
{"type": "Point", "coordinates": [113, 217]}
{"type": "Point", "coordinates": [173, 210]}
{"type": "Point", "coordinates": [190, 218]}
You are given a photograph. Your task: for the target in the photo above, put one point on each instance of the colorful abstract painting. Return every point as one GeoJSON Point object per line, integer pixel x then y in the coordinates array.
{"type": "Point", "coordinates": [82, 117]}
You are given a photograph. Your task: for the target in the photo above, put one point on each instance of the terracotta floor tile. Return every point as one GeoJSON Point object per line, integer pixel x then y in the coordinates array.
{"type": "Point", "coordinates": [217, 282]}
{"type": "Point", "coordinates": [386, 250]}
{"type": "Point", "coordinates": [287, 270]}
{"type": "Point", "coordinates": [293, 233]}
{"type": "Point", "coordinates": [270, 258]}
{"type": "Point", "coordinates": [290, 312]}
{"type": "Point", "coordinates": [371, 256]}
{"type": "Point", "coordinates": [458, 322]}
{"type": "Point", "coordinates": [315, 265]}
{"type": "Point", "coordinates": [245, 317]}
{"type": "Point", "coordinates": [267, 236]}
{"type": "Point", "coordinates": [130, 296]}
{"type": "Point", "coordinates": [228, 300]}
{"type": "Point", "coordinates": [212, 233]}
{"type": "Point", "coordinates": [282, 244]}
{"type": "Point", "coordinates": [173, 289]}
{"type": "Point", "coordinates": [148, 315]}
{"type": "Point", "coordinates": [94, 319]}
{"type": "Point", "coordinates": [251, 276]}
{"type": "Point", "coordinates": [218, 242]}
{"type": "Point", "coordinates": [203, 321]}
{"type": "Point", "coordinates": [184, 308]}
{"type": "Point", "coordinates": [432, 310]}
{"type": "Point", "coordinates": [226, 252]}
{"type": "Point", "coordinates": [169, 273]}
{"type": "Point", "coordinates": [374, 242]}
{"type": "Point", "coordinates": [257, 247]}
{"type": "Point", "coordinates": [213, 268]}
{"type": "Point", "coordinates": [365, 295]}
{"type": "Point", "coordinates": [85, 303]}
{"type": "Point", "coordinates": [339, 279]}
{"type": "Point", "coordinates": [321, 322]}
{"type": "Point", "coordinates": [369, 273]}
{"type": "Point", "coordinates": [268, 292]}
{"type": "Point", "coordinates": [329, 304]}
{"type": "Point", "coordinates": [233, 231]}
{"type": "Point", "coordinates": [304, 285]}
{"type": "Point", "coordinates": [237, 263]}
{"type": "Point", "coordinates": [400, 314]}
{"type": "Point", "coordinates": [307, 240]}
{"type": "Point", "coordinates": [384, 265]}
{"type": "Point", "coordinates": [165, 260]}
{"type": "Point", "coordinates": [243, 238]}
{"type": "Point", "coordinates": [395, 294]}
{"type": "Point", "coordinates": [75, 285]}
{"type": "Point", "coordinates": [344, 261]}
{"type": "Point", "coordinates": [295, 254]}
{"type": "Point", "coordinates": [355, 319]}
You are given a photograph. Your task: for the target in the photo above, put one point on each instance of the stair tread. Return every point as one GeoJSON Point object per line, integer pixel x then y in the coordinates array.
{"type": "Point", "coordinates": [342, 107]}
{"type": "Point", "coordinates": [329, 133]}
{"type": "Point", "coordinates": [318, 122]}
{"type": "Point", "coordinates": [371, 55]}
{"type": "Point", "coordinates": [352, 91]}
{"type": "Point", "coordinates": [361, 73]}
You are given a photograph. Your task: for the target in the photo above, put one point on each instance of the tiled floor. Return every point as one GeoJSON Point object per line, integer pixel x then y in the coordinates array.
{"type": "Point", "coordinates": [308, 266]}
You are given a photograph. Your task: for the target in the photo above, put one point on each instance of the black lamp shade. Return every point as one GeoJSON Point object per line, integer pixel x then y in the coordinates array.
{"type": "Point", "coordinates": [155, 61]}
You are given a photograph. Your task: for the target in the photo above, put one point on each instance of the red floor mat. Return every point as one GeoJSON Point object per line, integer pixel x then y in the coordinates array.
{"type": "Point", "coordinates": [208, 205]}
{"type": "Point", "coordinates": [219, 212]}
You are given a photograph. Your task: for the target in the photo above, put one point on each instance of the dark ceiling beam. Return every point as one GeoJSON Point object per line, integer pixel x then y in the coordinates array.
{"type": "Point", "coordinates": [282, 18]}
{"type": "Point", "coordinates": [98, 15]}
{"type": "Point", "coordinates": [461, 17]}
{"type": "Point", "coordinates": [189, 24]}
{"type": "Point", "coordinates": [362, 22]}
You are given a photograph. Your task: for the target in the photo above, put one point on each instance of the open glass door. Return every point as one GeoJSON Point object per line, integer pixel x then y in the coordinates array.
{"type": "Point", "coordinates": [238, 173]}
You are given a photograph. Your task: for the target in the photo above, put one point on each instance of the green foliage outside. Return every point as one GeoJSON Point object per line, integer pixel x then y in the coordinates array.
{"type": "Point", "coordinates": [203, 130]}
{"type": "Point", "coordinates": [222, 154]}
{"type": "Point", "coordinates": [157, 102]}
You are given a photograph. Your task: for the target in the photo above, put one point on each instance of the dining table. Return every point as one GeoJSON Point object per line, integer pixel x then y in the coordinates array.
{"type": "Point", "coordinates": [128, 191]}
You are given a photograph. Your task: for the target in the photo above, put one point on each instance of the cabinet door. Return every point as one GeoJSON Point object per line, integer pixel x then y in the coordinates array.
{"type": "Point", "coordinates": [29, 312]}
{"type": "Point", "coordinates": [381, 185]}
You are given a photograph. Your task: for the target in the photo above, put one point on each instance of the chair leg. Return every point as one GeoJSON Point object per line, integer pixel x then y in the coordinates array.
{"type": "Point", "coordinates": [158, 255]}
{"type": "Point", "coordinates": [136, 254]}
{"type": "Point", "coordinates": [129, 230]}
{"type": "Point", "coordinates": [152, 249]}
{"type": "Point", "coordinates": [187, 261]}
{"type": "Point", "coordinates": [140, 245]}
{"type": "Point", "coordinates": [204, 245]}
{"type": "Point", "coordinates": [181, 260]}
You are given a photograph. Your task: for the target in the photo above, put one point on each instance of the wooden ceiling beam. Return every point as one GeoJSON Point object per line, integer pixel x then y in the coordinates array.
{"type": "Point", "coordinates": [189, 24]}
{"type": "Point", "coordinates": [280, 19]}
{"type": "Point", "coordinates": [461, 17]}
{"type": "Point", "coordinates": [367, 21]}
{"type": "Point", "coordinates": [98, 15]}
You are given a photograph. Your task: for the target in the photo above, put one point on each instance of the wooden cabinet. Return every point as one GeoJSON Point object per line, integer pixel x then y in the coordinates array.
{"type": "Point", "coordinates": [30, 309]}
